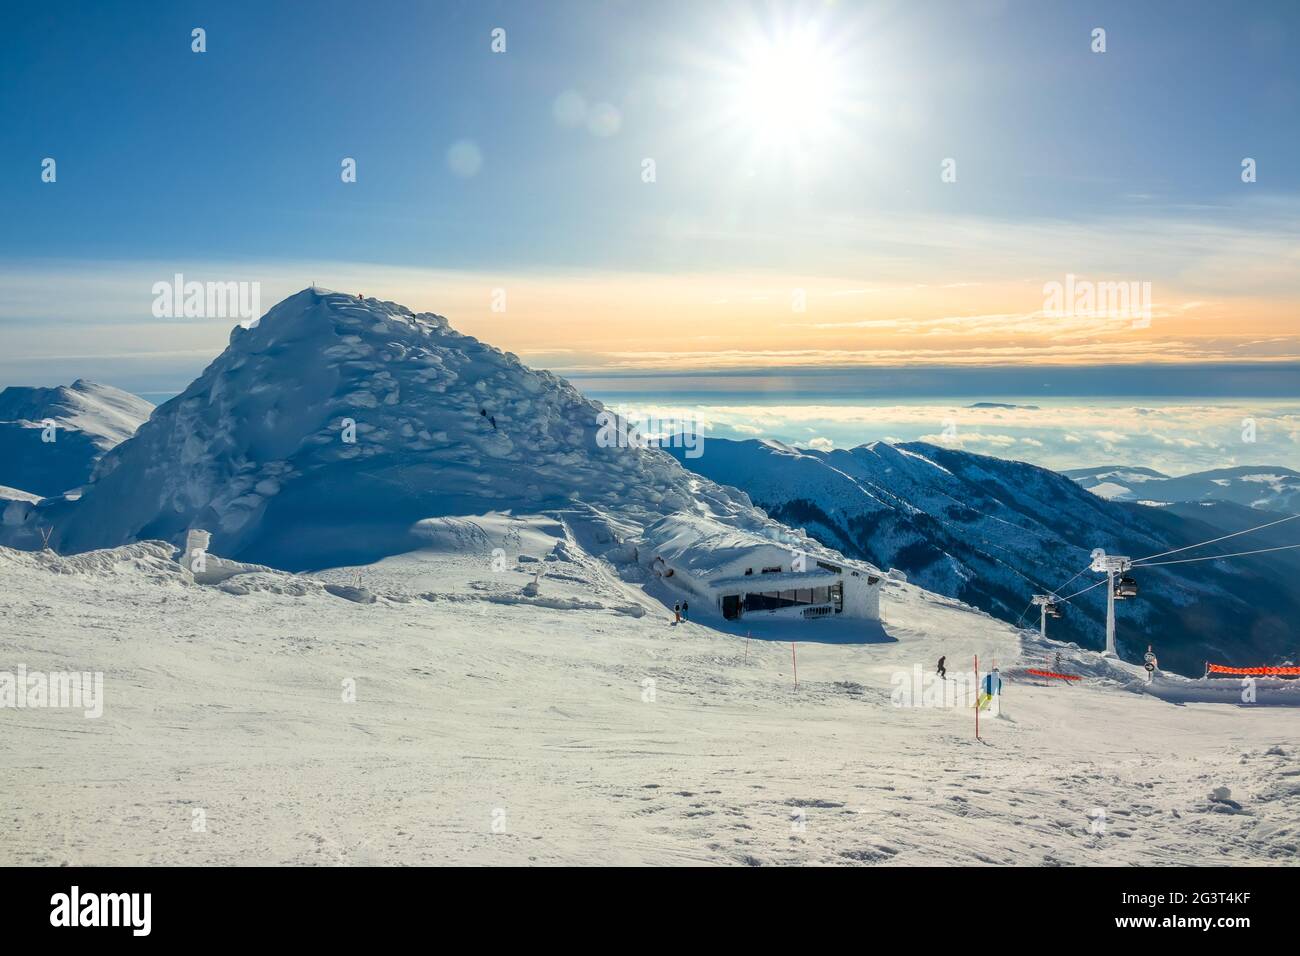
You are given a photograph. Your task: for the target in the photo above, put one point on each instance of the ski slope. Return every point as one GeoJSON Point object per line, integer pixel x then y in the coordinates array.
{"type": "Point", "coordinates": [494, 726]}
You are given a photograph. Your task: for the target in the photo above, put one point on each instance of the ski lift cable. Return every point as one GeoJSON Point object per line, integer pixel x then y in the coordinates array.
{"type": "Point", "coordinates": [1216, 557]}
{"type": "Point", "coordinates": [1056, 591]}
{"type": "Point", "coordinates": [1086, 590]}
{"type": "Point", "coordinates": [1067, 583]}
{"type": "Point", "coordinates": [1213, 540]}
{"type": "Point", "coordinates": [1023, 613]}
{"type": "Point", "coordinates": [1042, 589]}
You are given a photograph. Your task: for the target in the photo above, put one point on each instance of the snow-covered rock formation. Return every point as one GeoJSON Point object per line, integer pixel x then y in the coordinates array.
{"type": "Point", "coordinates": [328, 432]}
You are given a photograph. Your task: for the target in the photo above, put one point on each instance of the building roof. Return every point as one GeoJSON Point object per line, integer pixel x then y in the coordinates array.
{"type": "Point", "coordinates": [704, 547]}
{"type": "Point", "coordinates": [711, 554]}
{"type": "Point", "coordinates": [769, 582]}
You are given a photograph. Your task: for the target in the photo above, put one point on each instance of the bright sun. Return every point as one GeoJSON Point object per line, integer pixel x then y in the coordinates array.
{"type": "Point", "coordinates": [787, 88]}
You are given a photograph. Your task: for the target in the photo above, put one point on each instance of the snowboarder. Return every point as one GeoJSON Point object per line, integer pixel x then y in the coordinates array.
{"type": "Point", "coordinates": [685, 609]}
{"type": "Point", "coordinates": [941, 671]}
{"type": "Point", "coordinates": [677, 614]}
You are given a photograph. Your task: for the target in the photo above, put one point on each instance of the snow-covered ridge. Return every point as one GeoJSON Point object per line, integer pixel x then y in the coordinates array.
{"type": "Point", "coordinates": [108, 414]}
{"type": "Point", "coordinates": [1266, 487]}
{"type": "Point", "coordinates": [88, 419]}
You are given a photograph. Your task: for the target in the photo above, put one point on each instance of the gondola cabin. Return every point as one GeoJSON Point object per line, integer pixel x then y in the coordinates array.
{"type": "Point", "coordinates": [1126, 587]}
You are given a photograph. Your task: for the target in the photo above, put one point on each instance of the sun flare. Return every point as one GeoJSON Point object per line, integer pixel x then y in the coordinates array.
{"type": "Point", "coordinates": [788, 88]}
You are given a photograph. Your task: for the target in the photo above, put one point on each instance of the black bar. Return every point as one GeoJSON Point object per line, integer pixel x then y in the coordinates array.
{"type": "Point", "coordinates": [330, 906]}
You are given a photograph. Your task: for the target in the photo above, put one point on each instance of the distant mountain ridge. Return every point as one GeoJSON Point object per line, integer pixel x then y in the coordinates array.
{"type": "Point", "coordinates": [89, 420]}
{"type": "Point", "coordinates": [993, 532]}
{"type": "Point", "coordinates": [1271, 487]}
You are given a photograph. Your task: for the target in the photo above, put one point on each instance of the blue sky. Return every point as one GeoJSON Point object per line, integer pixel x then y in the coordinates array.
{"type": "Point", "coordinates": [224, 165]}
{"type": "Point", "coordinates": [235, 153]}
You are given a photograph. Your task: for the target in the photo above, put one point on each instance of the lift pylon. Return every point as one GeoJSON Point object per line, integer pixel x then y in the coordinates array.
{"type": "Point", "coordinates": [1111, 565]}
{"type": "Point", "coordinates": [1048, 605]}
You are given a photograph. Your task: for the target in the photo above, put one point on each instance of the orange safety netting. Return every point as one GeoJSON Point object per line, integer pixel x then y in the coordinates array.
{"type": "Point", "coordinates": [1038, 673]}
{"type": "Point", "coordinates": [1253, 671]}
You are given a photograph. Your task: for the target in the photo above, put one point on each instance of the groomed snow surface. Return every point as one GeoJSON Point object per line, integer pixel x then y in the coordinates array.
{"type": "Point", "coordinates": [547, 711]}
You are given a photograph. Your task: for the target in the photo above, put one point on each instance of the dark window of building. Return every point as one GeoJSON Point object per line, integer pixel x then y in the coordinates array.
{"type": "Point", "coordinates": [795, 597]}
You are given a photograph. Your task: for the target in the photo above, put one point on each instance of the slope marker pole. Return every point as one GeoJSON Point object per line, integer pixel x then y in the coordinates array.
{"type": "Point", "coordinates": [795, 661]}
{"type": "Point", "coordinates": [977, 697]}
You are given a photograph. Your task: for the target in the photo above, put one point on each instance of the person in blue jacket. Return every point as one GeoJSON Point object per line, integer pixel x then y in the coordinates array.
{"type": "Point", "coordinates": [992, 687]}
{"type": "Point", "coordinates": [993, 683]}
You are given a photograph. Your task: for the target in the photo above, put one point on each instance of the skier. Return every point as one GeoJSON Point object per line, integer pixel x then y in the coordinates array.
{"type": "Point", "coordinates": [941, 671]}
{"type": "Point", "coordinates": [677, 614]}
{"type": "Point", "coordinates": [992, 687]}
{"type": "Point", "coordinates": [493, 420]}
{"type": "Point", "coordinates": [685, 609]}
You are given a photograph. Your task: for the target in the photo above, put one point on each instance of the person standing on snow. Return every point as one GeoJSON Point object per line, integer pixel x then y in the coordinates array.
{"type": "Point", "coordinates": [677, 614]}
{"type": "Point", "coordinates": [941, 671]}
{"type": "Point", "coordinates": [685, 609]}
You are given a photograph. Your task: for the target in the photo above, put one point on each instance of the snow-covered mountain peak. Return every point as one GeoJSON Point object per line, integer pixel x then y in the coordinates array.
{"type": "Point", "coordinates": [882, 450]}
{"type": "Point", "coordinates": [308, 310]}
{"type": "Point", "coordinates": [780, 447]}
{"type": "Point", "coordinates": [327, 430]}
